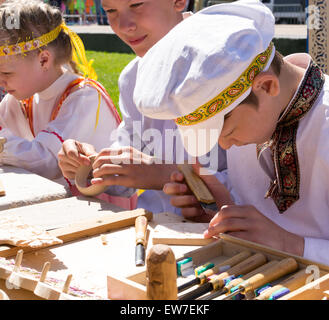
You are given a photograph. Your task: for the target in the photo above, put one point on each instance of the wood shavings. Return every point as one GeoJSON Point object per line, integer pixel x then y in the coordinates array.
{"type": "Point", "coordinates": [14, 232]}
{"type": "Point", "coordinates": [104, 239]}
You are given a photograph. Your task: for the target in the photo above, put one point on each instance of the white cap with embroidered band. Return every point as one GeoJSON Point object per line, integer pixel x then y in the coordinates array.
{"type": "Point", "coordinates": [204, 67]}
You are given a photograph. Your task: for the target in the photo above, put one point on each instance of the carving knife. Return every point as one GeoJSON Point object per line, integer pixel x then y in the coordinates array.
{"type": "Point", "coordinates": [198, 187]}
{"type": "Point", "coordinates": [140, 229]}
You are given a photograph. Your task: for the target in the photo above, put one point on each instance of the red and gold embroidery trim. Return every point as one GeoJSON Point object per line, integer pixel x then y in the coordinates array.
{"type": "Point", "coordinates": [27, 104]}
{"type": "Point", "coordinates": [230, 94]}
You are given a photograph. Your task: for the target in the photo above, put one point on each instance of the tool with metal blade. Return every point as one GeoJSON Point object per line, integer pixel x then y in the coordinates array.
{"type": "Point", "coordinates": [235, 282]}
{"type": "Point", "coordinates": [140, 228]}
{"type": "Point", "coordinates": [219, 268]}
{"type": "Point", "coordinates": [198, 187]}
{"type": "Point", "coordinates": [290, 284]}
{"type": "Point", "coordinates": [217, 282]}
{"type": "Point", "coordinates": [280, 269]}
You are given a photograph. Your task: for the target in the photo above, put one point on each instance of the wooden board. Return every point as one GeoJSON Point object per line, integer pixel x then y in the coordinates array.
{"type": "Point", "coordinates": [97, 225]}
{"type": "Point", "coordinates": [185, 233]}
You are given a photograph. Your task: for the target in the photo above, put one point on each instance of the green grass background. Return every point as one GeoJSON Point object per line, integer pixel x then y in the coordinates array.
{"type": "Point", "coordinates": [108, 67]}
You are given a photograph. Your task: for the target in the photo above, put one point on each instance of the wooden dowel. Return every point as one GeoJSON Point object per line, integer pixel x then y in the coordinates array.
{"type": "Point", "coordinates": [161, 274]}
{"type": "Point", "coordinates": [44, 271]}
{"type": "Point", "coordinates": [67, 284]}
{"type": "Point", "coordinates": [18, 260]}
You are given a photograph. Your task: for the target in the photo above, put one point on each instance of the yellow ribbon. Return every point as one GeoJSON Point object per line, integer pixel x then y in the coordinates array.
{"type": "Point", "coordinates": [79, 54]}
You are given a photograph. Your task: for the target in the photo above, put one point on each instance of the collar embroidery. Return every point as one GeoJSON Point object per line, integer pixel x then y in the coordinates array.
{"type": "Point", "coordinates": [284, 190]}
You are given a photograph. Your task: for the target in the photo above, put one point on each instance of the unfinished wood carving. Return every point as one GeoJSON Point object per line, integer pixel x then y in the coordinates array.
{"type": "Point", "coordinates": [82, 178]}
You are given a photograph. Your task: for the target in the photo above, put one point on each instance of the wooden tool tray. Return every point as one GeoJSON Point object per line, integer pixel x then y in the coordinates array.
{"type": "Point", "coordinates": [133, 286]}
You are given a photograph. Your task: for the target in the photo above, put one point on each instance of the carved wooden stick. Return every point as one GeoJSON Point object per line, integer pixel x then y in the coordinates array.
{"type": "Point", "coordinates": [161, 274]}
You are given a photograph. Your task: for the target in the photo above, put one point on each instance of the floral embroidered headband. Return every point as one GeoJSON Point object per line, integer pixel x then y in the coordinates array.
{"type": "Point", "coordinates": [78, 54]}
{"type": "Point", "coordinates": [33, 44]}
{"type": "Point", "coordinates": [230, 94]}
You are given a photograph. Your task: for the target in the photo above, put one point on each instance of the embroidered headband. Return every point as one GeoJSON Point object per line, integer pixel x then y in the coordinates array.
{"type": "Point", "coordinates": [230, 94]}
{"type": "Point", "coordinates": [78, 52]}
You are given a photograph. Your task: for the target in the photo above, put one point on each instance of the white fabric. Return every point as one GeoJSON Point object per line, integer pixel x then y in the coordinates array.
{"type": "Point", "coordinates": [76, 120]}
{"type": "Point", "coordinates": [309, 216]}
{"type": "Point", "coordinates": [132, 132]}
{"type": "Point", "coordinates": [197, 60]}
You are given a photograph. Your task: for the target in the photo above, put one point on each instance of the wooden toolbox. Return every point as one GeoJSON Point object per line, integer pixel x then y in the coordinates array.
{"type": "Point", "coordinates": [133, 286]}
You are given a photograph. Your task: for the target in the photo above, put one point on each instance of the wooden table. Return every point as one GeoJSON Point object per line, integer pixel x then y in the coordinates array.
{"type": "Point", "coordinates": [87, 259]}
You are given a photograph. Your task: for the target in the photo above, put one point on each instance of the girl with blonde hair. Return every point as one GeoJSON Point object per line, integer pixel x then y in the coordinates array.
{"type": "Point", "coordinates": [48, 99]}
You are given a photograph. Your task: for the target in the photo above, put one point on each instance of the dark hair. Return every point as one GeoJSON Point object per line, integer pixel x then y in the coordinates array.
{"type": "Point", "coordinates": [35, 19]}
{"type": "Point", "coordinates": [276, 65]}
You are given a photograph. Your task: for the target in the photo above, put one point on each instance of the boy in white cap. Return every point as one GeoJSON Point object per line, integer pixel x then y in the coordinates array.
{"type": "Point", "coordinates": [140, 24]}
{"type": "Point", "coordinates": [277, 138]}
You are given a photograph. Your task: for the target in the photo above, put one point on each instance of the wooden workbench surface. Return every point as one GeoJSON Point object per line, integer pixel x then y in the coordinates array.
{"type": "Point", "coordinates": [89, 260]}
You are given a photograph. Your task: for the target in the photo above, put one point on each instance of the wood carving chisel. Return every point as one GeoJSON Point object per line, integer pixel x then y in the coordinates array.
{"type": "Point", "coordinates": [248, 287]}
{"type": "Point", "coordinates": [140, 229]}
{"type": "Point", "coordinates": [235, 282]}
{"type": "Point", "coordinates": [217, 282]}
{"type": "Point", "coordinates": [290, 284]}
{"type": "Point", "coordinates": [219, 268]}
{"type": "Point", "coordinates": [198, 187]}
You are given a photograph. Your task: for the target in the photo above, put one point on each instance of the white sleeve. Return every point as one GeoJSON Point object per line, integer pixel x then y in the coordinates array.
{"type": "Point", "coordinates": [223, 177]}
{"type": "Point", "coordinates": [316, 250]}
{"type": "Point", "coordinates": [76, 120]}
{"type": "Point", "coordinates": [30, 155]}
{"type": "Point", "coordinates": [21, 150]}
{"type": "Point", "coordinates": [129, 131]}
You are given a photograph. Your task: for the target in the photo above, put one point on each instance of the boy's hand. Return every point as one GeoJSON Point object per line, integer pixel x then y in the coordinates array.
{"type": "Point", "coordinates": [130, 168]}
{"type": "Point", "coordinates": [247, 223]}
{"type": "Point", "coordinates": [72, 155]}
{"type": "Point", "coordinates": [182, 196]}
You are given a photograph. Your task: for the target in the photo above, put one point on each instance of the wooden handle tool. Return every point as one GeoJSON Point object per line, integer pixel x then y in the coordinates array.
{"type": "Point", "coordinates": [198, 187]}
{"type": "Point", "coordinates": [217, 282]}
{"type": "Point", "coordinates": [140, 228]}
{"type": "Point", "coordinates": [235, 282]}
{"type": "Point", "coordinates": [161, 273]}
{"type": "Point", "coordinates": [219, 268]}
{"type": "Point", "coordinates": [294, 282]}
{"type": "Point", "coordinates": [282, 268]}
